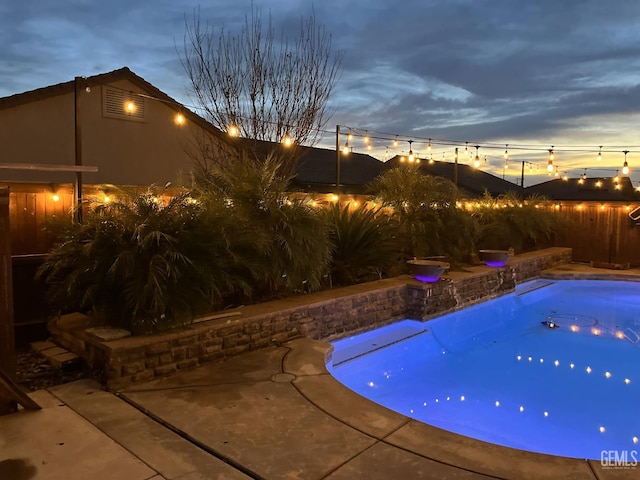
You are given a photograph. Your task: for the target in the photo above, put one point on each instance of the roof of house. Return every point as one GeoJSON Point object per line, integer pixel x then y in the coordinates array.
{"type": "Point", "coordinates": [587, 190]}
{"type": "Point", "coordinates": [317, 170]}
{"type": "Point", "coordinates": [472, 182]}
{"type": "Point", "coordinates": [103, 79]}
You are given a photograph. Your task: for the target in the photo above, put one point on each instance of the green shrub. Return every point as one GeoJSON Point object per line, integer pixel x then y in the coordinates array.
{"type": "Point", "coordinates": [506, 221]}
{"type": "Point", "coordinates": [289, 246]}
{"type": "Point", "coordinates": [424, 206]}
{"type": "Point", "coordinates": [140, 264]}
{"type": "Point", "coordinates": [364, 244]}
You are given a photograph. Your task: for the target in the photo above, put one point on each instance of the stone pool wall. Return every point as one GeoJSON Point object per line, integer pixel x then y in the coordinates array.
{"type": "Point", "coordinates": [323, 315]}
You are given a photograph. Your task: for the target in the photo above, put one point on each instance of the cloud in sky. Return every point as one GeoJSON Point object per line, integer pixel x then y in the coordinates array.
{"type": "Point", "coordinates": [536, 72]}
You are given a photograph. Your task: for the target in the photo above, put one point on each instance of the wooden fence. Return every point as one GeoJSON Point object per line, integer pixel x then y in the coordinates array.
{"type": "Point", "coordinates": [597, 232]}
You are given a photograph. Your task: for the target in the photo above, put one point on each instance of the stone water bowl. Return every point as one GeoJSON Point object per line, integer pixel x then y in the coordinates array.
{"type": "Point", "coordinates": [494, 258]}
{"type": "Point", "coordinates": [428, 271]}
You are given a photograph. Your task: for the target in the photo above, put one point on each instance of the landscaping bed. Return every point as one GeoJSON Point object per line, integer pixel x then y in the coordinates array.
{"type": "Point", "coordinates": [323, 315]}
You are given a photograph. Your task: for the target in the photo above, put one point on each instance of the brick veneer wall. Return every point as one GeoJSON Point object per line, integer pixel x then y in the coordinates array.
{"type": "Point", "coordinates": [323, 315]}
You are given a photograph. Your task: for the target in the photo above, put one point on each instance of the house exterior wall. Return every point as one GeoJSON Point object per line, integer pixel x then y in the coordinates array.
{"type": "Point", "coordinates": [127, 152]}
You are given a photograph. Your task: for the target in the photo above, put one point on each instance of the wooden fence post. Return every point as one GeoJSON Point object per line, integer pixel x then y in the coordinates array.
{"type": "Point", "coordinates": [7, 336]}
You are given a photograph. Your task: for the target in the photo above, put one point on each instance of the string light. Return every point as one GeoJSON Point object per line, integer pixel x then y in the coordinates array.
{"type": "Point", "coordinates": [476, 161]}
{"type": "Point", "coordinates": [287, 141]}
{"type": "Point", "coordinates": [625, 166]}
{"type": "Point", "coordinates": [506, 153]}
{"type": "Point", "coordinates": [411, 155]}
{"type": "Point", "coordinates": [550, 161]}
{"type": "Point", "coordinates": [130, 106]}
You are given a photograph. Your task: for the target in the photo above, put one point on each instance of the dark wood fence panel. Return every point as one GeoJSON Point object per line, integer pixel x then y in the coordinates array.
{"type": "Point", "coordinates": [29, 212]}
{"type": "Point", "coordinates": [601, 233]}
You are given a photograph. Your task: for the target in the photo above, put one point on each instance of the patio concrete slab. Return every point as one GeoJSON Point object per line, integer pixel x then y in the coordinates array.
{"type": "Point", "coordinates": [55, 443]}
{"type": "Point", "coordinates": [268, 427]}
{"type": "Point", "coordinates": [248, 367]}
{"type": "Point", "coordinates": [353, 409]}
{"type": "Point", "coordinates": [166, 452]}
{"type": "Point", "coordinates": [384, 462]}
{"type": "Point", "coordinates": [488, 458]}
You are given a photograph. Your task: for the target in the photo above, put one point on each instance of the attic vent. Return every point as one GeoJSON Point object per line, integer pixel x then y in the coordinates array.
{"type": "Point", "coordinates": [122, 104]}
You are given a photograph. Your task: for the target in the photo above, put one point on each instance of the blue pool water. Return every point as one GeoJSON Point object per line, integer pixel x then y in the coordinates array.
{"type": "Point", "coordinates": [494, 372]}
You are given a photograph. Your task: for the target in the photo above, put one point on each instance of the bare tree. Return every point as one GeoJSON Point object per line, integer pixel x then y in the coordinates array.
{"type": "Point", "coordinates": [267, 87]}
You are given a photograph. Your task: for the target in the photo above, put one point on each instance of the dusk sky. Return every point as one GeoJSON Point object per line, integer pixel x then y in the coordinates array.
{"type": "Point", "coordinates": [530, 73]}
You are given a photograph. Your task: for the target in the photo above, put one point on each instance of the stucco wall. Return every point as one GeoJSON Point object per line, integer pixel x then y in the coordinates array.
{"type": "Point", "coordinates": [126, 152]}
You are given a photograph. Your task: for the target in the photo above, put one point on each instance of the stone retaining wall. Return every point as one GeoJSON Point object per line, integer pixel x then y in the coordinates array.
{"type": "Point", "coordinates": [323, 315]}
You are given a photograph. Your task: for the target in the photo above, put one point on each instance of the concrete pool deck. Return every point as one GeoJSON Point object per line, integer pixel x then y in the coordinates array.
{"type": "Point", "coordinates": [272, 413]}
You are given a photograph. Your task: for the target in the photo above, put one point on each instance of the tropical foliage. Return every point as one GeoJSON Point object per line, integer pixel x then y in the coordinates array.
{"type": "Point", "coordinates": [424, 206]}
{"type": "Point", "coordinates": [141, 263]}
{"type": "Point", "coordinates": [364, 243]}
{"type": "Point", "coordinates": [506, 221]}
{"type": "Point", "coordinates": [148, 262]}
{"type": "Point", "coordinates": [288, 247]}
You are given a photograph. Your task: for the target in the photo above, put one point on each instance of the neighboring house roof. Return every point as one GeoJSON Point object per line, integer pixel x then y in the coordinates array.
{"type": "Point", "coordinates": [472, 182]}
{"type": "Point", "coordinates": [103, 79]}
{"type": "Point", "coordinates": [573, 190]}
{"type": "Point", "coordinates": [317, 170]}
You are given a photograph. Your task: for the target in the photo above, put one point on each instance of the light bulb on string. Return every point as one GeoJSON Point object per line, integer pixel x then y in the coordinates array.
{"type": "Point", "coordinates": [233, 131]}
{"type": "Point", "coordinates": [366, 137]}
{"type": "Point", "coordinates": [556, 173]}
{"type": "Point", "coordinates": [616, 179]}
{"type": "Point", "coordinates": [395, 141]}
{"type": "Point", "coordinates": [550, 161]}
{"type": "Point", "coordinates": [583, 177]}
{"type": "Point", "coordinates": [346, 149]}
{"type": "Point", "coordinates": [625, 166]}
{"type": "Point", "coordinates": [350, 135]}
{"type": "Point", "coordinates": [429, 147]}
{"type": "Point", "coordinates": [412, 157]}
{"type": "Point", "coordinates": [287, 141]}
{"type": "Point", "coordinates": [506, 153]}
{"type": "Point", "coordinates": [476, 161]}
{"type": "Point", "coordinates": [600, 154]}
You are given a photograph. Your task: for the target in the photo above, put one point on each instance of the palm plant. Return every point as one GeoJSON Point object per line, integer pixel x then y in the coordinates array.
{"type": "Point", "coordinates": [140, 263]}
{"type": "Point", "coordinates": [363, 243]}
{"type": "Point", "coordinates": [289, 250]}
{"type": "Point", "coordinates": [507, 221]}
{"type": "Point", "coordinates": [425, 208]}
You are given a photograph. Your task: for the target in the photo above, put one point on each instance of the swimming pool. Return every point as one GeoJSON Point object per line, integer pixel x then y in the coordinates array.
{"type": "Point", "coordinates": [552, 368]}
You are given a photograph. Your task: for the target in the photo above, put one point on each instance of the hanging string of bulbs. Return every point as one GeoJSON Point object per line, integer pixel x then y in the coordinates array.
{"type": "Point", "coordinates": [393, 141]}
